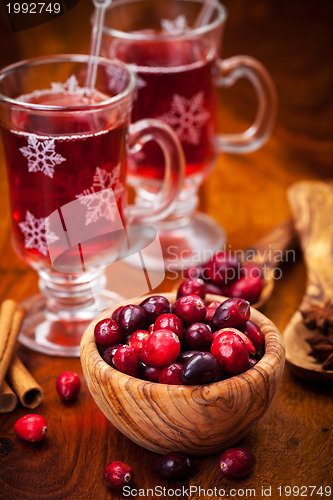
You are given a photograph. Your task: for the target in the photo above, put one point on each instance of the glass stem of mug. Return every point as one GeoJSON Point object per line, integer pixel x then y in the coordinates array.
{"type": "Point", "coordinates": [72, 295]}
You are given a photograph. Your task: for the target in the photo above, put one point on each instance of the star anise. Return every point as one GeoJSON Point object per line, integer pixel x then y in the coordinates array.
{"type": "Point", "coordinates": [322, 350]}
{"type": "Point", "coordinates": [320, 317]}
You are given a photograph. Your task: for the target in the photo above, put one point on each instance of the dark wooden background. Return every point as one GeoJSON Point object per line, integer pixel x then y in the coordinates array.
{"type": "Point", "coordinates": [247, 196]}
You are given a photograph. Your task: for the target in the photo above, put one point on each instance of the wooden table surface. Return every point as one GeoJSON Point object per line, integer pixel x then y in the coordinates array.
{"type": "Point", "coordinates": [293, 442]}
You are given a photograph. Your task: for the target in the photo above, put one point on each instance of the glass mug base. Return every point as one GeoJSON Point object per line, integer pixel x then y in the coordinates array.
{"type": "Point", "coordinates": [48, 333]}
{"type": "Point", "coordinates": [186, 245]}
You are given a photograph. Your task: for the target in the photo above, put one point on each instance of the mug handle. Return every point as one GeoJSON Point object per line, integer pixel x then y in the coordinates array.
{"type": "Point", "coordinates": [257, 134]}
{"type": "Point", "coordinates": [162, 204]}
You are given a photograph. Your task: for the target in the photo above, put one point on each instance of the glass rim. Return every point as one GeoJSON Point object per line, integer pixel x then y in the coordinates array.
{"type": "Point", "coordinates": [193, 32]}
{"type": "Point", "coordinates": [58, 58]}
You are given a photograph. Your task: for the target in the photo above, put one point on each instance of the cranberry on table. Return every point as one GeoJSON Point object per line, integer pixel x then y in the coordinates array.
{"type": "Point", "coordinates": [190, 309]}
{"type": "Point", "coordinates": [222, 268]}
{"type": "Point", "coordinates": [108, 354]}
{"type": "Point", "coordinates": [210, 310]}
{"type": "Point", "coordinates": [198, 336]}
{"type": "Point", "coordinates": [254, 333]}
{"type": "Point", "coordinates": [31, 427]}
{"type": "Point", "coordinates": [231, 313]}
{"type": "Point", "coordinates": [173, 466]}
{"type": "Point", "coordinates": [161, 349]}
{"type": "Point", "coordinates": [194, 286]}
{"type": "Point", "coordinates": [127, 360]}
{"type": "Point", "coordinates": [169, 321]}
{"type": "Point", "coordinates": [138, 339]}
{"type": "Point", "coordinates": [68, 385]}
{"type": "Point", "coordinates": [247, 287]}
{"type": "Point", "coordinates": [171, 374]}
{"type": "Point", "coordinates": [131, 318]}
{"type": "Point", "coordinates": [200, 369]}
{"type": "Point", "coordinates": [117, 474]}
{"type": "Point", "coordinates": [236, 463]}
{"type": "Point", "coordinates": [150, 373]}
{"type": "Point", "coordinates": [231, 352]}
{"type": "Point", "coordinates": [154, 306]}
{"type": "Point", "coordinates": [107, 332]}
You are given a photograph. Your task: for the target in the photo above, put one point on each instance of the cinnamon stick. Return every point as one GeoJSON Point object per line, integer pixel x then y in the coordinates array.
{"type": "Point", "coordinates": [10, 323]}
{"type": "Point", "coordinates": [27, 389]}
{"type": "Point", "coordinates": [8, 399]}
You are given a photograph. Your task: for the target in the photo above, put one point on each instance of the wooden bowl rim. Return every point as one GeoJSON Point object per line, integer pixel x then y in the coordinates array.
{"type": "Point", "coordinates": [273, 357]}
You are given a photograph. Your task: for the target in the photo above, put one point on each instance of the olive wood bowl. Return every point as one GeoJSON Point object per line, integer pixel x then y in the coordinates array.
{"type": "Point", "coordinates": [196, 420]}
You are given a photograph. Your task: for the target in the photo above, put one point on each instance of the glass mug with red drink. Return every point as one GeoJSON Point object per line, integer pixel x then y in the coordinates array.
{"type": "Point", "coordinates": [65, 150]}
{"type": "Point", "coordinates": [173, 46]}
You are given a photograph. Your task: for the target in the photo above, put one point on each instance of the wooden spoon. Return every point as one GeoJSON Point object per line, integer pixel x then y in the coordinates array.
{"type": "Point", "coordinates": [312, 209]}
{"type": "Point", "coordinates": [268, 253]}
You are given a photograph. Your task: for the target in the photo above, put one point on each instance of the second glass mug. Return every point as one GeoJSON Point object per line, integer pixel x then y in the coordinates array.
{"type": "Point", "coordinates": [173, 47]}
{"type": "Point", "coordinates": [65, 150]}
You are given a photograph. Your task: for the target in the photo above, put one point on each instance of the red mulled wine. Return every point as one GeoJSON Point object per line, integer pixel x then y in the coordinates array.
{"type": "Point", "coordinates": [57, 158]}
{"type": "Point", "coordinates": [175, 85]}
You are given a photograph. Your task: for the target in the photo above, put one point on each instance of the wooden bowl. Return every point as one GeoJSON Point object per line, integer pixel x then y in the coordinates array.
{"type": "Point", "coordinates": [196, 420]}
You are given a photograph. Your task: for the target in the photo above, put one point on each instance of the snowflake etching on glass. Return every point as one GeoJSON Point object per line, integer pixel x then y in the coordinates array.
{"type": "Point", "coordinates": [41, 155]}
{"type": "Point", "coordinates": [106, 190]}
{"type": "Point", "coordinates": [187, 117]}
{"type": "Point", "coordinates": [36, 233]}
{"type": "Point", "coordinates": [70, 86]}
{"type": "Point", "coordinates": [176, 26]}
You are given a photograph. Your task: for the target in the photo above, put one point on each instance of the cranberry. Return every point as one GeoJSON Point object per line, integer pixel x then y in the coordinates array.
{"type": "Point", "coordinates": [194, 272]}
{"type": "Point", "coordinates": [127, 360]}
{"type": "Point", "coordinates": [131, 318]}
{"type": "Point", "coordinates": [151, 327]}
{"type": "Point", "coordinates": [151, 373]}
{"type": "Point", "coordinates": [190, 309]}
{"type": "Point", "coordinates": [171, 374]}
{"type": "Point", "coordinates": [108, 354]}
{"type": "Point", "coordinates": [173, 466]}
{"type": "Point", "coordinates": [210, 310]}
{"type": "Point", "coordinates": [250, 347]}
{"type": "Point", "coordinates": [107, 332]}
{"type": "Point", "coordinates": [117, 475]}
{"type": "Point", "coordinates": [216, 289]}
{"type": "Point", "coordinates": [185, 356]}
{"type": "Point", "coordinates": [115, 314]}
{"type": "Point", "coordinates": [236, 463]}
{"type": "Point", "coordinates": [249, 288]}
{"type": "Point", "coordinates": [252, 270]}
{"type": "Point", "coordinates": [252, 362]}
{"type": "Point", "coordinates": [231, 352]}
{"type": "Point", "coordinates": [192, 287]}
{"type": "Point", "coordinates": [68, 385]}
{"type": "Point", "coordinates": [128, 339]}
{"type": "Point", "coordinates": [254, 333]}
{"type": "Point", "coordinates": [171, 322]}
{"type": "Point", "coordinates": [232, 312]}
{"type": "Point", "coordinates": [138, 339]}
{"type": "Point", "coordinates": [198, 336]}
{"type": "Point", "coordinates": [222, 268]}
{"type": "Point", "coordinates": [31, 427]}
{"type": "Point", "coordinates": [200, 369]}
{"type": "Point", "coordinates": [161, 349]}
{"type": "Point", "coordinates": [155, 306]}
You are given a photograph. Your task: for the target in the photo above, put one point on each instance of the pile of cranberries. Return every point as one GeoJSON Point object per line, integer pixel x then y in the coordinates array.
{"type": "Point", "coordinates": [191, 342]}
{"type": "Point", "coordinates": [225, 275]}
